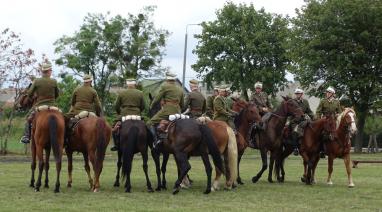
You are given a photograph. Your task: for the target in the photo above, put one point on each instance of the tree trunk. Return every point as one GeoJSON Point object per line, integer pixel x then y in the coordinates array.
{"type": "Point", "coordinates": [361, 115]}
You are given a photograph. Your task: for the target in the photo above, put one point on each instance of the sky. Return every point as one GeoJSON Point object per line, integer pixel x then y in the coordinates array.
{"type": "Point", "coordinates": [41, 22]}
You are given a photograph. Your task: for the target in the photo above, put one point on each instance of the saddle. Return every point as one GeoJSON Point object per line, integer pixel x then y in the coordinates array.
{"type": "Point", "coordinates": [47, 107]}
{"type": "Point", "coordinates": [203, 120]}
{"type": "Point", "coordinates": [164, 125]}
{"type": "Point", "coordinates": [73, 122]}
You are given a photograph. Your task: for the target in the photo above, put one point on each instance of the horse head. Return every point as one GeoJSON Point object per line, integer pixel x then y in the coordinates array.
{"type": "Point", "coordinates": [24, 102]}
{"type": "Point", "coordinates": [347, 120]}
{"type": "Point", "coordinates": [239, 104]}
{"type": "Point", "coordinates": [291, 108]}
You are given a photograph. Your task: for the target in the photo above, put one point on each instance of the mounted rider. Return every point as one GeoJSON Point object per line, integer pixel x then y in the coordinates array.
{"type": "Point", "coordinates": [210, 102]}
{"type": "Point", "coordinates": [84, 98]}
{"type": "Point", "coordinates": [195, 103]}
{"type": "Point", "coordinates": [221, 110]}
{"type": "Point", "coordinates": [173, 100]}
{"type": "Point", "coordinates": [327, 106]}
{"type": "Point", "coordinates": [261, 99]}
{"type": "Point", "coordinates": [129, 102]}
{"type": "Point", "coordinates": [45, 91]}
{"type": "Point", "coordinates": [296, 126]}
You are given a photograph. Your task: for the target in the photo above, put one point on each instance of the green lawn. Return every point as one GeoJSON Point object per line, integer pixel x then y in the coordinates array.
{"type": "Point", "coordinates": [15, 195]}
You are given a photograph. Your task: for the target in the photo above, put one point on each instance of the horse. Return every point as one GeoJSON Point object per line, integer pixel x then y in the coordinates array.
{"type": "Point", "coordinates": [90, 137]}
{"type": "Point", "coordinates": [311, 142]}
{"type": "Point", "coordinates": [48, 131]}
{"type": "Point", "coordinates": [270, 139]}
{"type": "Point", "coordinates": [248, 115]}
{"type": "Point", "coordinates": [134, 138]}
{"type": "Point", "coordinates": [341, 145]}
{"type": "Point", "coordinates": [186, 137]}
{"type": "Point", "coordinates": [226, 142]}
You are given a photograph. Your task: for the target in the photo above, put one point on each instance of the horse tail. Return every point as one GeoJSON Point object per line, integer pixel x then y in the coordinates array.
{"type": "Point", "coordinates": [128, 150]}
{"type": "Point", "coordinates": [213, 149]}
{"type": "Point", "coordinates": [52, 121]}
{"type": "Point", "coordinates": [101, 143]}
{"type": "Point", "coordinates": [232, 154]}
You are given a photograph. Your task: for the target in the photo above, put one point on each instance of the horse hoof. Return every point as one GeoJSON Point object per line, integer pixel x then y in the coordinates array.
{"type": "Point", "coordinates": [330, 183]}
{"type": "Point", "coordinates": [36, 190]}
{"type": "Point", "coordinates": [227, 188]}
{"type": "Point", "coordinates": [116, 184]}
{"type": "Point", "coordinates": [351, 185]}
{"type": "Point", "coordinates": [255, 179]}
{"type": "Point", "coordinates": [207, 191]}
{"type": "Point", "coordinates": [158, 188]}
{"type": "Point", "coordinates": [240, 182]}
{"type": "Point", "coordinates": [175, 191]}
{"type": "Point", "coordinates": [164, 187]}
{"type": "Point", "coordinates": [96, 190]}
{"type": "Point", "coordinates": [56, 190]}
{"type": "Point", "coordinates": [150, 190]}
{"type": "Point", "coordinates": [46, 186]}
{"type": "Point", "coordinates": [127, 191]}
{"type": "Point", "coordinates": [31, 185]}
{"type": "Point", "coordinates": [270, 180]}
{"type": "Point", "coordinates": [303, 179]}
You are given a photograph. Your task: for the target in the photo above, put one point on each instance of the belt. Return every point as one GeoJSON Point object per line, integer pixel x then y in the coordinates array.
{"type": "Point", "coordinates": [172, 102]}
{"type": "Point", "coordinates": [39, 98]}
{"type": "Point", "coordinates": [196, 110]}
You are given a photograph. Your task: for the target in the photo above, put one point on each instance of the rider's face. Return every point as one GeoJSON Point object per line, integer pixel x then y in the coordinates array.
{"type": "Point", "coordinates": [258, 90]}
{"type": "Point", "coordinates": [298, 95]}
{"type": "Point", "coordinates": [329, 94]}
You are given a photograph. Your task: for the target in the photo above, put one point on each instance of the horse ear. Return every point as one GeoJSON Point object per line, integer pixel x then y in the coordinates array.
{"type": "Point", "coordinates": [285, 98]}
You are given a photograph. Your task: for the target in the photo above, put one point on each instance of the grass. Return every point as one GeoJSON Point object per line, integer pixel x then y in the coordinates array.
{"type": "Point", "coordinates": [15, 195]}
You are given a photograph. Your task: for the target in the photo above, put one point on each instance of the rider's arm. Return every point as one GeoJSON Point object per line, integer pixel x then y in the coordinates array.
{"type": "Point", "coordinates": [187, 101]}
{"type": "Point", "coordinates": [219, 107]}
{"type": "Point", "coordinates": [117, 105]}
{"type": "Point", "coordinates": [97, 104]}
{"type": "Point", "coordinates": [158, 97]}
{"type": "Point", "coordinates": [319, 110]}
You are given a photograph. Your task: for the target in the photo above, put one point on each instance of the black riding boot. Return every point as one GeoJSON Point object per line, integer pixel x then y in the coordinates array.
{"type": "Point", "coordinates": [296, 143]}
{"type": "Point", "coordinates": [27, 134]}
{"type": "Point", "coordinates": [322, 151]}
{"type": "Point", "coordinates": [154, 134]}
{"type": "Point", "coordinates": [115, 141]}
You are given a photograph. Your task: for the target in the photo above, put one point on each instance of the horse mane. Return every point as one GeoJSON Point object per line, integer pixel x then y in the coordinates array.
{"type": "Point", "coordinates": [342, 115]}
{"type": "Point", "coordinates": [237, 120]}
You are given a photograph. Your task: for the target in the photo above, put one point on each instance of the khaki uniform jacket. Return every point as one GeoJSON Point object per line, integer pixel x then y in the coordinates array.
{"type": "Point", "coordinates": [129, 102]}
{"type": "Point", "coordinates": [222, 112]}
{"type": "Point", "coordinates": [173, 99]}
{"type": "Point", "coordinates": [210, 105]}
{"type": "Point", "coordinates": [261, 100]}
{"type": "Point", "coordinates": [328, 106]}
{"type": "Point", "coordinates": [45, 91]}
{"type": "Point", "coordinates": [85, 98]}
{"type": "Point", "coordinates": [304, 104]}
{"type": "Point", "coordinates": [196, 102]}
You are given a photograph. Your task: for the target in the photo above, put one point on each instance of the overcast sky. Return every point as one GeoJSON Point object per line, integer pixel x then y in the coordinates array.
{"type": "Point", "coordinates": [41, 22]}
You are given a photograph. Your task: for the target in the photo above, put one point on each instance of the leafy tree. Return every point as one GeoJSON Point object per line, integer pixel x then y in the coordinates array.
{"type": "Point", "coordinates": [339, 43]}
{"type": "Point", "coordinates": [373, 124]}
{"type": "Point", "coordinates": [243, 46]}
{"type": "Point", "coordinates": [66, 87]}
{"type": "Point", "coordinates": [105, 47]}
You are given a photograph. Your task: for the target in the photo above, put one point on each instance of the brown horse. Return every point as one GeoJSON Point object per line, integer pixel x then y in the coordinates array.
{"type": "Point", "coordinates": [270, 139]}
{"type": "Point", "coordinates": [134, 138]}
{"type": "Point", "coordinates": [186, 137]}
{"type": "Point", "coordinates": [248, 115]}
{"type": "Point", "coordinates": [341, 145]}
{"type": "Point", "coordinates": [90, 137]}
{"type": "Point", "coordinates": [48, 130]}
{"type": "Point", "coordinates": [311, 142]}
{"type": "Point", "coordinates": [226, 143]}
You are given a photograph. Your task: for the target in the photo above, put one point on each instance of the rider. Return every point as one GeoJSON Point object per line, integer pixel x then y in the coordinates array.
{"type": "Point", "coordinates": [260, 98]}
{"type": "Point", "coordinates": [210, 102]}
{"type": "Point", "coordinates": [172, 96]}
{"type": "Point", "coordinates": [84, 98]}
{"type": "Point", "coordinates": [328, 105]}
{"type": "Point", "coordinates": [45, 91]}
{"type": "Point", "coordinates": [129, 102]}
{"type": "Point", "coordinates": [195, 102]}
{"type": "Point", "coordinates": [296, 125]}
{"type": "Point", "coordinates": [221, 110]}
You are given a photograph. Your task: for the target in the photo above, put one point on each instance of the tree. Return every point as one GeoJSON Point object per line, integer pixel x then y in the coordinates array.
{"type": "Point", "coordinates": [339, 43]}
{"type": "Point", "coordinates": [16, 66]}
{"type": "Point", "coordinates": [117, 46]}
{"type": "Point", "coordinates": [243, 46]}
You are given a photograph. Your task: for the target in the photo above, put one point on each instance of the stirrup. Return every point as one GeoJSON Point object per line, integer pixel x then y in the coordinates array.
{"type": "Point", "coordinates": [296, 152]}
{"type": "Point", "coordinates": [156, 143]}
{"type": "Point", "coordinates": [114, 148]}
{"type": "Point", "coordinates": [25, 140]}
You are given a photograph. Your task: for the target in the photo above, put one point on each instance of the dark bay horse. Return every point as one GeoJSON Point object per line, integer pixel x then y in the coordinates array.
{"type": "Point", "coordinates": [270, 139]}
{"type": "Point", "coordinates": [134, 138]}
{"type": "Point", "coordinates": [48, 130]}
{"type": "Point", "coordinates": [341, 145]}
{"type": "Point", "coordinates": [90, 137]}
{"type": "Point", "coordinates": [248, 115]}
{"type": "Point", "coordinates": [186, 137]}
{"type": "Point", "coordinates": [311, 142]}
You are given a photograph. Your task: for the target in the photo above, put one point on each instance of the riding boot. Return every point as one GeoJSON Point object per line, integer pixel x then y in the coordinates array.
{"type": "Point", "coordinates": [115, 141]}
{"type": "Point", "coordinates": [27, 133]}
{"type": "Point", "coordinates": [322, 151]}
{"type": "Point", "coordinates": [154, 134]}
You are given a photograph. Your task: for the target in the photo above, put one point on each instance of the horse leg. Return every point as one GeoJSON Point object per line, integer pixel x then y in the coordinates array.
{"type": "Point", "coordinates": [309, 174]}
{"type": "Point", "coordinates": [163, 169]}
{"type": "Point", "coordinates": [184, 166]}
{"type": "Point", "coordinates": [348, 170]}
{"type": "Point", "coordinates": [280, 169]}
{"type": "Point", "coordinates": [239, 181]}
{"type": "Point", "coordinates": [314, 170]}
{"type": "Point", "coordinates": [303, 178]}
{"type": "Point", "coordinates": [208, 168]}
{"type": "Point", "coordinates": [87, 169]}
{"type": "Point", "coordinates": [271, 164]}
{"type": "Point", "coordinates": [330, 169]}
{"type": "Point", "coordinates": [156, 158]}
{"type": "Point", "coordinates": [69, 154]}
{"type": "Point", "coordinates": [58, 170]}
{"type": "Point", "coordinates": [129, 163]}
{"type": "Point", "coordinates": [119, 164]}
{"type": "Point", "coordinates": [47, 154]}
{"type": "Point", "coordinates": [33, 164]}
{"type": "Point", "coordinates": [40, 156]}
{"type": "Point", "coordinates": [145, 158]}
{"type": "Point", "coordinates": [95, 181]}
{"type": "Point", "coordinates": [263, 168]}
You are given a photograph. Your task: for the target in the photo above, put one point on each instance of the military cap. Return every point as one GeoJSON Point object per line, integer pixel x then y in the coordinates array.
{"type": "Point", "coordinates": [46, 66]}
{"type": "Point", "coordinates": [87, 78]}
{"type": "Point", "coordinates": [222, 88]}
{"type": "Point", "coordinates": [298, 91]}
{"type": "Point", "coordinates": [194, 82]}
{"type": "Point", "coordinates": [170, 76]}
{"type": "Point", "coordinates": [131, 81]}
{"type": "Point", "coordinates": [331, 90]}
{"type": "Point", "coordinates": [258, 85]}
{"type": "Point", "coordinates": [216, 88]}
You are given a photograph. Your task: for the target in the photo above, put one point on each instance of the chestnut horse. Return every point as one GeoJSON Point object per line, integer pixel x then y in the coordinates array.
{"type": "Point", "coordinates": [48, 130]}
{"type": "Point", "coordinates": [226, 143]}
{"type": "Point", "coordinates": [341, 145]}
{"type": "Point", "coordinates": [311, 142]}
{"type": "Point", "coordinates": [186, 137]}
{"type": "Point", "coordinates": [248, 115]}
{"type": "Point", "coordinates": [134, 138]}
{"type": "Point", "coordinates": [270, 139]}
{"type": "Point", "coordinates": [90, 137]}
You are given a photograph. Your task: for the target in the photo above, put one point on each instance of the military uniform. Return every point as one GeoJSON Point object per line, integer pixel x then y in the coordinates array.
{"type": "Point", "coordinates": [261, 100]}
{"type": "Point", "coordinates": [195, 101]}
{"type": "Point", "coordinates": [328, 106]}
{"type": "Point", "coordinates": [210, 105]}
{"type": "Point", "coordinates": [85, 98]}
{"type": "Point", "coordinates": [129, 102]}
{"type": "Point", "coordinates": [222, 112]}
